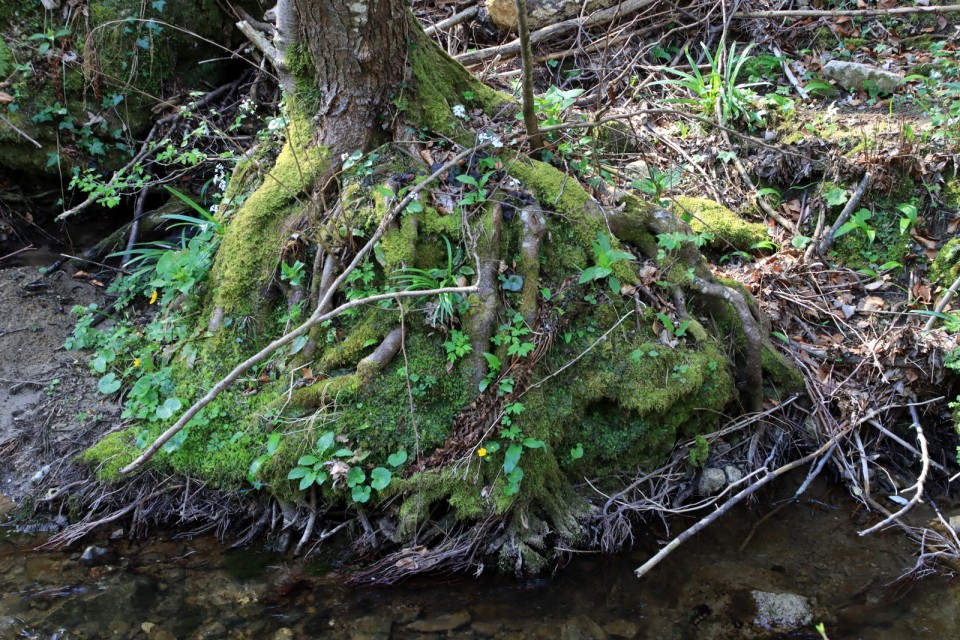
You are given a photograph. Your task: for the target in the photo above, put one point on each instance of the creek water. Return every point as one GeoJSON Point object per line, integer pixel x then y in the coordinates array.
{"type": "Point", "coordinates": [166, 588]}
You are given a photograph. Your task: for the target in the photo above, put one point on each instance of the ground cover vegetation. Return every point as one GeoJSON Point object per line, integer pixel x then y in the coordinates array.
{"type": "Point", "coordinates": [381, 299]}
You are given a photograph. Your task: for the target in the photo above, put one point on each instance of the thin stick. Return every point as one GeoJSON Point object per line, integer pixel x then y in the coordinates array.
{"type": "Point", "coordinates": [316, 317]}
{"type": "Point", "coordinates": [452, 21]}
{"type": "Point", "coordinates": [27, 248]}
{"type": "Point", "coordinates": [14, 127]}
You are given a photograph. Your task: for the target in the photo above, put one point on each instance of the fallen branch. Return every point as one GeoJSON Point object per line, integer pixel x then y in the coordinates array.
{"type": "Point", "coordinates": [513, 47]}
{"type": "Point", "coordinates": [452, 21]}
{"type": "Point", "coordinates": [822, 245]}
{"type": "Point", "coordinates": [14, 127]}
{"type": "Point", "coordinates": [317, 317]}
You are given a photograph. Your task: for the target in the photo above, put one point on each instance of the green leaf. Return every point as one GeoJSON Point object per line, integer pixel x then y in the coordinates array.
{"type": "Point", "coordinates": [307, 480]}
{"type": "Point", "coordinates": [837, 196]}
{"type": "Point", "coordinates": [380, 478]}
{"type": "Point", "coordinates": [298, 472]}
{"type": "Point", "coordinates": [360, 493]}
{"type": "Point", "coordinates": [273, 442]}
{"type": "Point", "coordinates": [108, 384]}
{"type": "Point", "coordinates": [325, 442]}
{"type": "Point", "coordinates": [782, 336]}
{"type": "Point", "coordinates": [355, 476]}
{"type": "Point", "coordinates": [308, 460]}
{"type": "Point", "coordinates": [512, 457]}
{"type": "Point", "coordinates": [168, 408]}
{"type": "Point", "coordinates": [577, 452]}
{"type": "Point", "coordinates": [397, 459]}
{"type": "Point", "coordinates": [533, 443]}
{"type": "Point", "coordinates": [614, 284]}
{"type": "Point", "coordinates": [343, 453]}
{"type": "Point", "coordinates": [493, 362]}
{"type": "Point", "coordinates": [513, 283]}
{"type": "Point", "coordinates": [386, 192]}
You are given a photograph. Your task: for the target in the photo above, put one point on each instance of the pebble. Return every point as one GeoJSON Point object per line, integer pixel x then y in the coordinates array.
{"type": "Point", "coordinates": [447, 622]}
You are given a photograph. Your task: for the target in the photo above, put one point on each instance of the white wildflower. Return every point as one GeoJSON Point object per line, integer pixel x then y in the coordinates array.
{"type": "Point", "coordinates": [460, 111]}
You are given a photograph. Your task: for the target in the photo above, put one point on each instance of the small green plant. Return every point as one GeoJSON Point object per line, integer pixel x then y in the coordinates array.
{"type": "Point", "coordinates": [716, 93]}
{"type": "Point", "coordinates": [292, 273]}
{"type": "Point", "coordinates": [658, 183]}
{"type": "Point", "coordinates": [858, 221]}
{"type": "Point", "coordinates": [511, 334]}
{"type": "Point", "coordinates": [457, 346]}
{"type": "Point", "coordinates": [605, 257]}
{"type": "Point", "coordinates": [513, 473]}
{"type": "Point", "coordinates": [446, 304]}
{"type": "Point", "coordinates": [908, 219]}
{"type": "Point", "coordinates": [326, 460]}
{"type": "Point", "coordinates": [493, 371]}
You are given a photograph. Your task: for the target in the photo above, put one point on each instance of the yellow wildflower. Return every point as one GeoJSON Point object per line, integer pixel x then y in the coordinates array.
{"type": "Point", "coordinates": [482, 452]}
{"type": "Point", "coordinates": [153, 296]}
{"type": "Point", "coordinates": [136, 362]}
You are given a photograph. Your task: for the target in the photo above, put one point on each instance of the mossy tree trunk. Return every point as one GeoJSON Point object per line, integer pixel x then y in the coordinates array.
{"type": "Point", "coordinates": [571, 374]}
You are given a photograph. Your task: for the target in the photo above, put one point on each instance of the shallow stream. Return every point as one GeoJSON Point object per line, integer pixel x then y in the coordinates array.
{"type": "Point", "coordinates": [190, 589]}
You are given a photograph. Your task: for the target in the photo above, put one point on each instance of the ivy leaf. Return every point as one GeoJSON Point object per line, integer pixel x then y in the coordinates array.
{"type": "Point", "coordinates": [380, 478]}
{"type": "Point", "coordinates": [108, 384]}
{"type": "Point", "coordinates": [167, 409]}
{"type": "Point", "coordinates": [355, 476]}
{"type": "Point", "coordinates": [513, 283]}
{"type": "Point", "coordinates": [360, 493]}
{"type": "Point", "coordinates": [512, 457]}
{"type": "Point", "coordinates": [397, 459]}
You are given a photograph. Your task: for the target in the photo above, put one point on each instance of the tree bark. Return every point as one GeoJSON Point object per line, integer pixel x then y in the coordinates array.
{"type": "Point", "coordinates": [358, 52]}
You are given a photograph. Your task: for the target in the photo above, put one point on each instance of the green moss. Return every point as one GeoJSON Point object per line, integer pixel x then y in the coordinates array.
{"type": "Point", "coordinates": [113, 452]}
{"type": "Point", "coordinates": [438, 84]}
{"type": "Point", "coordinates": [729, 229]}
{"type": "Point", "coordinates": [399, 245]}
{"type": "Point", "coordinates": [245, 262]}
{"type": "Point", "coordinates": [780, 375]}
{"type": "Point", "coordinates": [946, 266]}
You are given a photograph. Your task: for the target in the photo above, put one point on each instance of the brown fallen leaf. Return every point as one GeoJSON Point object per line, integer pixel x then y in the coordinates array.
{"type": "Point", "coordinates": [872, 303]}
{"type": "Point", "coordinates": [5, 98]}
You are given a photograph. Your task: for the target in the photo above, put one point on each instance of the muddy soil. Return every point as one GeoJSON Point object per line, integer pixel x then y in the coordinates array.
{"type": "Point", "coordinates": [50, 410]}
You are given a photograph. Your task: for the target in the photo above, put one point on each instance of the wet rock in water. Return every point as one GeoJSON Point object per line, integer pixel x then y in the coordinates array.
{"type": "Point", "coordinates": [486, 629]}
{"type": "Point", "coordinates": [447, 622]}
{"type": "Point", "coordinates": [283, 634]}
{"type": "Point", "coordinates": [582, 628]}
{"type": "Point", "coordinates": [781, 611]}
{"type": "Point", "coordinates": [371, 628]}
{"type": "Point", "coordinates": [10, 627]}
{"type": "Point", "coordinates": [712, 481]}
{"type": "Point", "coordinates": [6, 505]}
{"type": "Point", "coordinates": [622, 629]}
{"type": "Point", "coordinates": [94, 556]}
{"type": "Point", "coordinates": [853, 76]}
{"type": "Point", "coordinates": [156, 632]}
{"type": "Point", "coordinates": [210, 631]}
{"type": "Point", "coordinates": [117, 534]}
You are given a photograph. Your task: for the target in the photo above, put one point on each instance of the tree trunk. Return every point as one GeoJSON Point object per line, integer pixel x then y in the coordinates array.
{"type": "Point", "coordinates": [358, 53]}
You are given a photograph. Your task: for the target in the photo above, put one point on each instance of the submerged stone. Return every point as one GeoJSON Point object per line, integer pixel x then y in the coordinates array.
{"type": "Point", "coordinates": [781, 611]}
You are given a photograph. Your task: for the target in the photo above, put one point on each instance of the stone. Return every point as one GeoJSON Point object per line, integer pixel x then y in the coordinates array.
{"type": "Point", "coordinates": [712, 481]}
{"type": "Point", "coordinates": [733, 473]}
{"type": "Point", "coordinates": [622, 629]}
{"type": "Point", "coordinates": [781, 611]}
{"type": "Point", "coordinates": [439, 624]}
{"type": "Point", "coordinates": [854, 75]}
{"type": "Point", "coordinates": [284, 633]}
{"type": "Point", "coordinates": [486, 629]}
{"type": "Point", "coordinates": [541, 13]}
{"type": "Point", "coordinates": [94, 556]}
{"type": "Point", "coordinates": [955, 523]}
